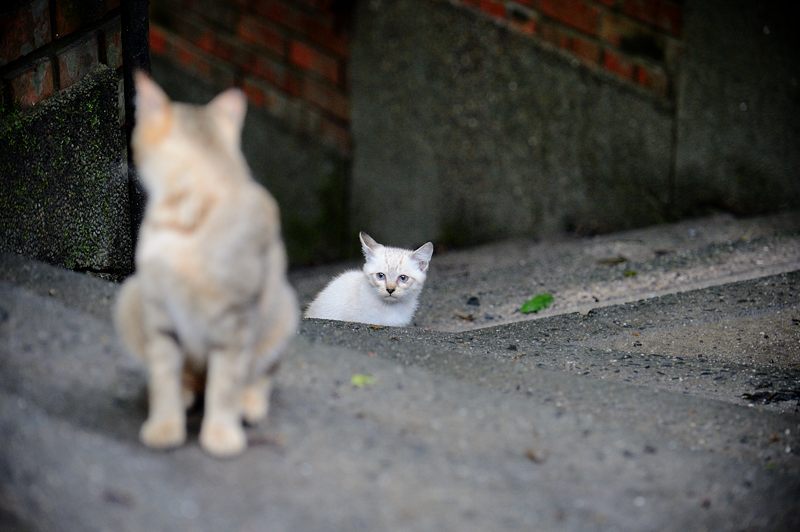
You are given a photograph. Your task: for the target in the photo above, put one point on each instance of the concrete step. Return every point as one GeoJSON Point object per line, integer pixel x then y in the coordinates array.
{"type": "Point", "coordinates": [588, 273]}
{"type": "Point", "coordinates": [676, 412]}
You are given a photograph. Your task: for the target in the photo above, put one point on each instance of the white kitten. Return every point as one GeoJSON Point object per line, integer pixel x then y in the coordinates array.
{"type": "Point", "coordinates": [385, 292]}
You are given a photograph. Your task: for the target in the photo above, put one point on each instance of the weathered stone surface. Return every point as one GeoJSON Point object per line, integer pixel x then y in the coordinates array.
{"type": "Point", "coordinates": [466, 132]}
{"type": "Point", "coordinates": [739, 99]}
{"type": "Point", "coordinates": [64, 197]}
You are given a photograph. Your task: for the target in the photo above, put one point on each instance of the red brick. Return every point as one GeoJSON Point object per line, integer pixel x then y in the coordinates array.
{"type": "Point", "coordinates": [77, 60]}
{"type": "Point", "coordinates": [654, 79]}
{"type": "Point", "coordinates": [293, 84]}
{"type": "Point", "coordinates": [33, 84]}
{"type": "Point", "coordinates": [319, 29]}
{"type": "Point", "coordinates": [253, 31]}
{"type": "Point", "coordinates": [553, 34]}
{"type": "Point", "coordinates": [158, 41]}
{"type": "Point", "coordinates": [494, 8]}
{"type": "Point", "coordinates": [210, 39]}
{"type": "Point", "coordinates": [664, 15]}
{"type": "Point", "coordinates": [319, 4]}
{"type": "Point", "coordinates": [219, 45]}
{"type": "Point", "coordinates": [326, 98]}
{"type": "Point", "coordinates": [286, 14]}
{"type": "Point", "coordinates": [191, 58]}
{"type": "Point", "coordinates": [266, 97]}
{"type": "Point", "coordinates": [335, 42]}
{"type": "Point", "coordinates": [617, 64]}
{"type": "Point", "coordinates": [614, 28]}
{"type": "Point", "coordinates": [579, 14]}
{"type": "Point", "coordinates": [587, 51]}
{"type": "Point", "coordinates": [306, 57]}
{"type": "Point", "coordinates": [267, 69]}
{"type": "Point", "coordinates": [24, 30]}
{"type": "Point", "coordinates": [218, 13]}
{"type": "Point", "coordinates": [254, 93]}
{"type": "Point", "coordinates": [71, 15]}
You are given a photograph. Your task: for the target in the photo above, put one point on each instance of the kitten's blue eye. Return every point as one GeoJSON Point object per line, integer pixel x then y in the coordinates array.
{"type": "Point", "coordinates": [403, 278]}
{"type": "Point", "coordinates": [380, 276]}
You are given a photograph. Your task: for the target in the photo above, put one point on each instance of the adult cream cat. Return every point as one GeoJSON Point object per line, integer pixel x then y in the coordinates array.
{"type": "Point", "coordinates": [385, 292]}
{"type": "Point", "coordinates": [209, 306]}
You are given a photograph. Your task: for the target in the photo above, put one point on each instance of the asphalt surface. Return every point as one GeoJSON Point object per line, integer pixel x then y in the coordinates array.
{"type": "Point", "coordinates": [676, 409]}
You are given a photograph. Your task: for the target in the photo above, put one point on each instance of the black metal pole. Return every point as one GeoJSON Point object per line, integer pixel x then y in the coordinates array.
{"type": "Point", "coordinates": [135, 22]}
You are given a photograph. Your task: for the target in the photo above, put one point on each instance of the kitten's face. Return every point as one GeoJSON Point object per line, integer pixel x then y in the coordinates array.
{"type": "Point", "coordinates": [392, 272]}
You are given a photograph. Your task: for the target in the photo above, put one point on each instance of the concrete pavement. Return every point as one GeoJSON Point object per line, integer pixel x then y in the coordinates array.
{"type": "Point", "coordinates": [663, 405]}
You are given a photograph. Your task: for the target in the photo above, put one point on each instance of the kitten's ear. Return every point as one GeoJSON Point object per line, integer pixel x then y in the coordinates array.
{"type": "Point", "coordinates": [423, 256]}
{"type": "Point", "coordinates": [151, 101]}
{"type": "Point", "coordinates": [368, 244]}
{"type": "Point", "coordinates": [230, 107]}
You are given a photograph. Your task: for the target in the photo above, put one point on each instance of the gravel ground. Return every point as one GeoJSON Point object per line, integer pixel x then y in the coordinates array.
{"type": "Point", "coordinates": [485, 286]}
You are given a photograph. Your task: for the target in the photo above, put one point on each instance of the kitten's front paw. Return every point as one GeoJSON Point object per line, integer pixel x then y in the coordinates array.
{"type": "Point", "coordinates": [163, 433]}
{"type": "Point", "coordinates": [222, 438]}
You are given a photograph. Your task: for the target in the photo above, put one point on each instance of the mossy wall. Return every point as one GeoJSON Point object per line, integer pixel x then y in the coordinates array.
{"type": "Point", "coordinates": [64, 196]}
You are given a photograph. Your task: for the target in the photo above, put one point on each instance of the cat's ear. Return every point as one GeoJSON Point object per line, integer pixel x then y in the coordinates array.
{"type": "Point", "coordinates": [151, 101]}
{"type": "Point", "coordinates": [368, 244]}
{"type": "Point", "coordinates": [229, 108]}
{"type": "Point", "coordinates": [422, 256]}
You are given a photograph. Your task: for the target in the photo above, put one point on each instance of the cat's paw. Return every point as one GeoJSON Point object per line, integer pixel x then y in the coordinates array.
{"type": "Point", "coordinates": [163, 433]}
{"type": "Point", "coordinates": [255, 404]}
{"type": "Point", "coordinates": [222, 438]}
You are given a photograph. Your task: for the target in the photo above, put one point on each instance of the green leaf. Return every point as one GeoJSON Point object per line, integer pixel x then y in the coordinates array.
{"type": "Point", "coordinates": [359, 380]}
{"type": "Point", "coordinates": [537, 303]}
{"type": "Point", "coordinates": [629, 273]}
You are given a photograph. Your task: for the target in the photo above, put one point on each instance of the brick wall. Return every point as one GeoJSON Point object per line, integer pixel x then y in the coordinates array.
{"type": "Point", "coordinates": [48, 46]}
{"type": "Point", "coordinates": [289, 56]}
{"type": "Point", "coordinates": [65, 193]}
{"type": "Point", "coordinates": [637, 41]}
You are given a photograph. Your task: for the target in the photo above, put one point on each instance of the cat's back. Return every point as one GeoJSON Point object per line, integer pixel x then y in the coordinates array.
{"type": "Point", "coordinates": [339, 299]}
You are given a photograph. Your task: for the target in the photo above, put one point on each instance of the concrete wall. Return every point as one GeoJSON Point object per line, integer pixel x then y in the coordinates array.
{"type": "Point", "coordinates": [738, 135]}
{"type": "Point", "coordinates": [65, 188]}
{"type": "Point", "coordinates": [466, 130]}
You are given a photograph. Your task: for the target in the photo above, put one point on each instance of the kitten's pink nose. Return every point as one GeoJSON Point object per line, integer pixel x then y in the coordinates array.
{"type": "Point", "coordinates": [390, 290]}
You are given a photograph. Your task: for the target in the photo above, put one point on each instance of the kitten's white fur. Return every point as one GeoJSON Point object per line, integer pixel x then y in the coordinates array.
{"type": "Point", "coordinates": [385, 292]}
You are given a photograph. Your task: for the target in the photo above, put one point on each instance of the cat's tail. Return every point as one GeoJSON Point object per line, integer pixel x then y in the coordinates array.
{"type": "Point", "coordinates": [128, 315]}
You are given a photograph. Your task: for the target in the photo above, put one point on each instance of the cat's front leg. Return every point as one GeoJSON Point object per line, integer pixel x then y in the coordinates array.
{"type": "Point", "coordinates": [166, 422]}
{"type": "Point", "coordinates": [255, 399]}
{"type": "Point", "coordinates": [221, 433]}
